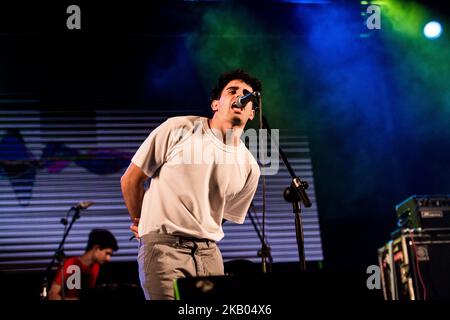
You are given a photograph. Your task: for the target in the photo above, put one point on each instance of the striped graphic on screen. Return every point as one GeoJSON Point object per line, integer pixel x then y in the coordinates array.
{"type": "Point", "coordinates": [51, 161]}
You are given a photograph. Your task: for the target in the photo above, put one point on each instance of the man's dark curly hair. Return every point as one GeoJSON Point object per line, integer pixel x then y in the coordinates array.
{"type": "Point", "coordinates": [103, 238]}
{"type": "Point", "coordinates": [237, 74]}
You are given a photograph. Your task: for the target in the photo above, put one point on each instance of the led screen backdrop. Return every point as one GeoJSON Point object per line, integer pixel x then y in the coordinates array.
{"type": "Point", "coordinates": [51, 161]}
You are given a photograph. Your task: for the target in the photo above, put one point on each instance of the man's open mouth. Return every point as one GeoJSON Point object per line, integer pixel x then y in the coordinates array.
{"type": "Point", "coordinates": [235, 107]}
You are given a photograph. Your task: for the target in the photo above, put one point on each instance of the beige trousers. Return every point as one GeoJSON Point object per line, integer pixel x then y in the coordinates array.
{"type": "Point", "coordinates": [162, 258]}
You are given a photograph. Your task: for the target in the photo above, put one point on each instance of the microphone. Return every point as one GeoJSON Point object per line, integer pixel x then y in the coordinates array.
{"type": "Point", "coordinates": [80, 206]}
{"type": "Point", "coordinates": [84, 205]}
{"type": "Point", "coordinates": [243, 100]}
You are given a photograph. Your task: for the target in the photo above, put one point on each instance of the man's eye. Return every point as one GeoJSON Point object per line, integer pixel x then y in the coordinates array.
{"type": "Point", "coordinates": [233, 91]}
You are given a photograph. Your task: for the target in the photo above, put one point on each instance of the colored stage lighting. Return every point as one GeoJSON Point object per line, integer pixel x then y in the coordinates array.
{"type": "Point", "coordinates": [432, 30]}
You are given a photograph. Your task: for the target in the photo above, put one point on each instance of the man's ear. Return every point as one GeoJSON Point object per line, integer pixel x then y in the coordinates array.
{"type": "Point", "coordinates": [215, 105]}
{"type": "Point", "coordinates": [252, 115]}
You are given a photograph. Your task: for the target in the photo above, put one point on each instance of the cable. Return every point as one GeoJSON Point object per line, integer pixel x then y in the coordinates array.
{"type": "Point", "coordinates": [262, 161]}
{"type": "Point", "coordinates": [252, 207]}
{"type": "Point", "coordinates": [417, 266]}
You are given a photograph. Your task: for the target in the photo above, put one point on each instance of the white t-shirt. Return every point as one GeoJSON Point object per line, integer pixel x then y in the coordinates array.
{"type": "Point", "coordinates": [197, 180]}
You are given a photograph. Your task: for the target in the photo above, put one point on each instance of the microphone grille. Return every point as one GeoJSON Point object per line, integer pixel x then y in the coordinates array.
{"type": "Point", "coordinates": [86, 204]}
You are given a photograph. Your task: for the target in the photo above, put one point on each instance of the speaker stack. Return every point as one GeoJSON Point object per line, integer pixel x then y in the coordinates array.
{"type": "Point", "coordinates": [415, 263]}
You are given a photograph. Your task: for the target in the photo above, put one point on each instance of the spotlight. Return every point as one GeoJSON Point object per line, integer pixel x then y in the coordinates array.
{"type": "Point", "coordinates": [432, 30]}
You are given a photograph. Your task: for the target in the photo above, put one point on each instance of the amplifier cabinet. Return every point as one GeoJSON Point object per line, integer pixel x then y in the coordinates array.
{"type": "Point", "coordinates": [415, 266]}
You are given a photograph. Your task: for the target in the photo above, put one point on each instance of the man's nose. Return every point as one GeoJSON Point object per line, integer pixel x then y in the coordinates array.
{"type": "Point", "coordinates": [237, 95]}
{"type": "Point", "coordinates": [240, 93]}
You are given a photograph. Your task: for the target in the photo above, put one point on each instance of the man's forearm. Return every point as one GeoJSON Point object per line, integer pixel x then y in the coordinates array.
{"type": "Point", "coordinates": [54, 292]}
{"type": "Point", "coordinates": [54, 296]}
{"type": "Point", "coordinates": [133, 194]}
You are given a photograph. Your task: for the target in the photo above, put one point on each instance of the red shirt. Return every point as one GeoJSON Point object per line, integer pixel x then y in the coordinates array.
{"type": "Point", "coordinates": [88, 276]}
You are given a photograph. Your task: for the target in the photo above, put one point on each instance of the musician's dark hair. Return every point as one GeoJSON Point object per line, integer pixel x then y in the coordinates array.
{"type": "Point", "coordinates": [103, 238]}
{"type": "Point", "coordinates": [237, 74]}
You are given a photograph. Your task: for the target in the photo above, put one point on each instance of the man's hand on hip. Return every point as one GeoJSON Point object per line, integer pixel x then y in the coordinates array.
{"type": "Point", "coordinates": [134, 227]}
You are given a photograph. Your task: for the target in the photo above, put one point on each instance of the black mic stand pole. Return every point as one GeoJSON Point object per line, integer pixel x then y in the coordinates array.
{"type": "Point", "coordinates": [59, 255]}
{"type": "Point", "coordinates": [264, 253]}
{"type": "Point", "coordinates": [295, 193]}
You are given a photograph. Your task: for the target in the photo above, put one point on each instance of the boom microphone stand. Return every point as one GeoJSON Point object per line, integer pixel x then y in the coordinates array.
{"type": "Point", "coordinates": [296, 194]}
{"type": "Point", "coordinates": [59, 252]}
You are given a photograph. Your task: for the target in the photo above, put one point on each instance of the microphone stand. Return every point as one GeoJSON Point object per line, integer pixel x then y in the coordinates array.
{"type": "Point", "coordinates": [59, 255]}
{"type": "Point", "coordinates": [296, 194]}
{"type": "Point", "coordinates": [264, 252]}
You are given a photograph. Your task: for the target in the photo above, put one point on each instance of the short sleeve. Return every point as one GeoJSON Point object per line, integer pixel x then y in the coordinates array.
{"type": "Point", "coordinates": [236, 208]}
{"type": "Point", "coordinates": [94, 275]}
{"type": "Point", "coordinates": [152, 154]}
{"type": "Point", "coordinates": [68, 262]}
